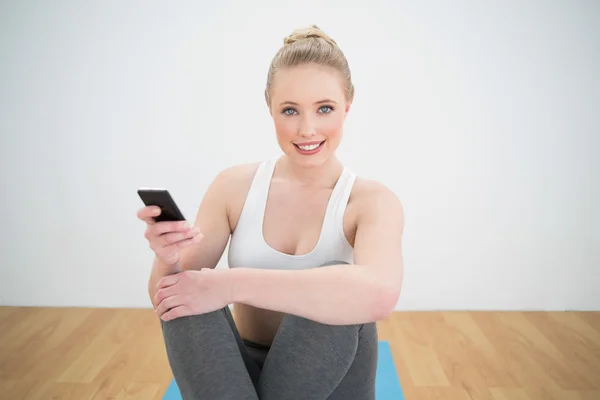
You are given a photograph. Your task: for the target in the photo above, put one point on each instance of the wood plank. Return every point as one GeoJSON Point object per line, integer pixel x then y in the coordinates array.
{"type": "Point", "coordinates": [415, 350]}
{"type": "Point", "coordinates": [93, 354]}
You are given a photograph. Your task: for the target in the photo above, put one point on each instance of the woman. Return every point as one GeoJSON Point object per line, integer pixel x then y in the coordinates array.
{"type": "Point", "coordinates": [315, 257]}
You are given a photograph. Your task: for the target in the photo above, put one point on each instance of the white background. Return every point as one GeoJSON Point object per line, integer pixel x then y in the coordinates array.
{"type": "Point", "coordinates": [483, 117]}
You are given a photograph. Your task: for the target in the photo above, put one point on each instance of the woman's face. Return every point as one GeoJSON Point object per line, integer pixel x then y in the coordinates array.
{"type": "Point", "coordinates": [309, 108]}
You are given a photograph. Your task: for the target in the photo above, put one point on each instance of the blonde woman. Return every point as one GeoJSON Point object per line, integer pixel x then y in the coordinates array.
{"type": "Point", "coordinates": [315, 257]}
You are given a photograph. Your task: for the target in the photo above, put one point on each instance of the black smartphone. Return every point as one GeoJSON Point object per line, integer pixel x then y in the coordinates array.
{"type": "Point", "coordinates": [161, 198]}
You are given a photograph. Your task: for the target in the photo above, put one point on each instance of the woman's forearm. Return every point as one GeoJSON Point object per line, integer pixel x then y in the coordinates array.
{"type": "Point", "coordinates": [159, 270]}
{"type": "Point", "coordinates": [334, 295]}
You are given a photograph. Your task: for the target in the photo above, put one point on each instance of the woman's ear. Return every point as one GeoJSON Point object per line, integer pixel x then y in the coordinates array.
{"type": "Point", "coordinates": [347, 109]}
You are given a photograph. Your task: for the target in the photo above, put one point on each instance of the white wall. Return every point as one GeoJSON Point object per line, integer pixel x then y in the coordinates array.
{"type": "Point", "coordinates": [482, 116]}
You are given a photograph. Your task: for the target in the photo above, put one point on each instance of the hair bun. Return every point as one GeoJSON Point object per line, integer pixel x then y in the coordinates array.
{"type": "Point", "coordinates": [312, 31]}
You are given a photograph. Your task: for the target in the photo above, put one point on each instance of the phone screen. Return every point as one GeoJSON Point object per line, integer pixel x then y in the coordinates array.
{"type": "Point", "coordinates": [163, 199]}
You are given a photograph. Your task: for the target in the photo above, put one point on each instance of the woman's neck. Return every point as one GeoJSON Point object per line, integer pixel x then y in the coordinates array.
{"type": "Point", "coordinates": [325, 175]}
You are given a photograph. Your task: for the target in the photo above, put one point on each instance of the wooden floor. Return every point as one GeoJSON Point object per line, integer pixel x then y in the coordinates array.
{"type": "Point", "coordinates": [57, 353]}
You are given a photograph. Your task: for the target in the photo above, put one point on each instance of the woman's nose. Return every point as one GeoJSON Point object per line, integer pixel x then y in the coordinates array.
{"type": "Point", "coordinates": [307, 129]}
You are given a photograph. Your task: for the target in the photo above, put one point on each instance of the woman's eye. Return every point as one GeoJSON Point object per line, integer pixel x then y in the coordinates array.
{"type": "Point", "coordinates": [322, 110]}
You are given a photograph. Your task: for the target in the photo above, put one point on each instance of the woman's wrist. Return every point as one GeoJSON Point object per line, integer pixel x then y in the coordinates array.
{"type": "Point", "coordinates": [167, 269]}
{"type": "Point", "coordinates": [229, 279]}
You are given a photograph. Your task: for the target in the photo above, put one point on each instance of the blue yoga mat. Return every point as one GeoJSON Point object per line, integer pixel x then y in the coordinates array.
{"type": "Point", "coordinates": [387, 384]}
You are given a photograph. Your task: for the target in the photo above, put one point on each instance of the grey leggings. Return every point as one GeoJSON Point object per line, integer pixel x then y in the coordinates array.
{"type": "Point", "coordinates": [307, 360]}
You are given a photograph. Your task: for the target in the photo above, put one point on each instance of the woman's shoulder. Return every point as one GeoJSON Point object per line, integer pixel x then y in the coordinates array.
{"type": "Point", "coordinates": [239, 173]}
{"type": "Point", "coordinates": [368, 194]}
{"type": "Point", "coordinates": [370, 188]}
{"type": "Point", "coordinates": [235, 181]}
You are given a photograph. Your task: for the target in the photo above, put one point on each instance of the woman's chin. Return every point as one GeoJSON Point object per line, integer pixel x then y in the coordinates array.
{"type": "Point", "coordinates": [309, 161]}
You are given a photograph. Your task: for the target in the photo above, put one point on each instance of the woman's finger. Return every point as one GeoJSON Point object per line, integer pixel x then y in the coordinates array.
{"type": "Point", "coordinates": [169, 280]}
{"type": "Point", "coordinates": [167, 304]}
{"type": "Point", "coordinates": [174, 237]}
{"type": "Point", "coordinates": [163, 293]}
{"type": "Point", "coordinates": [148, 213]}
{"type": "Point", "coordinates": [170, 226]}
{"type": "Point", "coordinates": [170, 253]}
{"type": "Point", "coordinates": [182, 244]}
{"type": "Point", "coordinates": [155, 231]}
{"type": "Point", "coordinates": [180, 311]}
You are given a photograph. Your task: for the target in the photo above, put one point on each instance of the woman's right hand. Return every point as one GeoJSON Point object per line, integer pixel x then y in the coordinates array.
{"type": "Point", "coordinates": [168, 238]}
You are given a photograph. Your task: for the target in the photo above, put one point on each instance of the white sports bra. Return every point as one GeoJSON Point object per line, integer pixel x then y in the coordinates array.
{"type": "Point", "coordinates": [248, 248]}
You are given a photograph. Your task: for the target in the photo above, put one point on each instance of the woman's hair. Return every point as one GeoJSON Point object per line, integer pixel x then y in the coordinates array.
{"type": "Point", "coordinates": [306, 46]}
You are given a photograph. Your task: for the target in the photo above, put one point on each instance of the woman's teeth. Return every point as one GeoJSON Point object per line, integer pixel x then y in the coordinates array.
{"type": "Point", "coordinates": [311, 147]}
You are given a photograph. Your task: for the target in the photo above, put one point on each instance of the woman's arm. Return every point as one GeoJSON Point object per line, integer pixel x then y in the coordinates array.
{"type": "Point", "coordinates": [344, 294]}
{"type": "Point", "coordinates": [213, 222]}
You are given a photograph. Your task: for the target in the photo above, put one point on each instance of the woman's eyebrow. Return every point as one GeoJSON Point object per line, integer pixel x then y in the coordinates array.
{"type": "Point", "coordinates": [317, 102]}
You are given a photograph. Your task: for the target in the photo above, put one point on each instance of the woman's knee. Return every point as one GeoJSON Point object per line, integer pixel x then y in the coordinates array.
{"type": "Point", "coordinates": [212, 323]}
{"type": "Point", "coordinates": [367, 334]}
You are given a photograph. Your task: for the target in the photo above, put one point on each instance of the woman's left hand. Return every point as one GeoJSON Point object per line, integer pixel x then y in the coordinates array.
{"type": "Point", "coordinates": [192, 292]}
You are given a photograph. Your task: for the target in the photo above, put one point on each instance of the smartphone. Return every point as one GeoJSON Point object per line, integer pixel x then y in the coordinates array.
{"type": "Point", "coordinates": [161, 198]}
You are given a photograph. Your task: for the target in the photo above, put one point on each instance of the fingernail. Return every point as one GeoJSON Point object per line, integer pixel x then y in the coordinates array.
{"type": "Point", "coordinates": [196, 230]}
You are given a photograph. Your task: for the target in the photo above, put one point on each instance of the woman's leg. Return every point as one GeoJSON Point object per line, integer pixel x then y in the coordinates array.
{"type": "Point", "coordinates": [258, 353]}
{"type": "Point", "coordinates": [209, 359]}
{"type": "Point", "coordinates": [311, 360]}
{"type": "Point", "coordinates": [359, 382]}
